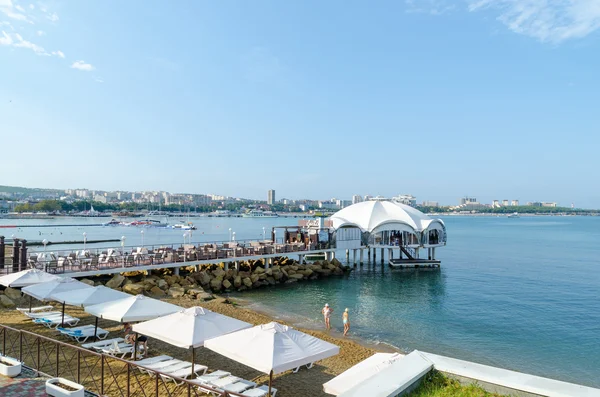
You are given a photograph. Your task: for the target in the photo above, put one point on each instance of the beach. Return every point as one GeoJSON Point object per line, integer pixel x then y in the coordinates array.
{"type": "Point", "coordinates": [307, 382]}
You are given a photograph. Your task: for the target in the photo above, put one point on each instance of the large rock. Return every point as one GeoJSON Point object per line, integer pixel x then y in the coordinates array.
{"type": "Point", "coordinates": [12, 293]}
{"type": "Point", "coordinates": [259, 270]}
{"type": "Point", "coordinates": [157, 291]}
{"type": "Point", "coordinates": [226, 284]}
{"type": "Point", "coordinates": [134, 289]}
{"type": "Point", "coordinates": [5, 301]}
{"type": "Point", "coordinates": [174, 279]}
{"type": "Point", "coordinates": [194, 291]}
{"type": "Point", "coordinates": [271, 281]}
{"type": "Point", "coordinates": [162, 284]}
{"type": "Point", "coordinates": [254, 278]}
{"type": "Point", "coordinates": [237, 281]}
{"type": "Point", "coordinates": [202, 278]}
{"type": "Point", "coordinates": [116, 281]}
{"type": "Point", "coordinates": [218, 272]}
{"type": "Point", "coordinates": [336, 262]}
{"type": "Point", "coordinates": [307, 272]}
{"type": "Point", "coordinates": [215, 284]}
{"type": "Point", "coordinates": [88, 282]}
{"type": "Point", "coordinates": [247, 282]}
{"type": "Point", "coordinates": [297, 276]}
{"type": "Point", "coordinates": [205, 296]}
{"type": "Point", "coordinates": [176, 292]}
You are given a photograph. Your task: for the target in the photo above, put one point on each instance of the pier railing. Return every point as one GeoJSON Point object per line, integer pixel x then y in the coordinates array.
{"type": "Point", "coordinates": [85, 259]}
{"type": "Point", "coordinates": [100, 374]}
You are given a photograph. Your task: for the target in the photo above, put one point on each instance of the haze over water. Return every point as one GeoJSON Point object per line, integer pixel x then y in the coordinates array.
{"type": "Point", "coordinates": [518, 293]}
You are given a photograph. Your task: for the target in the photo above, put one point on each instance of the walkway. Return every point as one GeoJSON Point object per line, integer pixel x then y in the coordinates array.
{"type": "Point", "coordinates": [24, 385]}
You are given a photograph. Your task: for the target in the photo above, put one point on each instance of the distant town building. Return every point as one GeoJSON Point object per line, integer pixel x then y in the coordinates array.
{"type": "Point", "coordinates": [505, 203]}
{"type": "Point", "coordinates": [514, 203]}
{"type": "Point", "coordinates": [356, 199]}
{"type": "Point", "coordinates": [367, 198]}
{"type": "Point", "coordinates": [271, 197]}
{"type": "Point", "coordinates": [303, 207]}
{"type": "Point", "coordinates": [468, 200]}
{"type": "Point", "coordinates": [328, 205]}
{"type": "Point", "coordinates": [541, 204]}
{"type": "Point", "coordinates": [100, 198]}
{"type": "Point", "coordinates": [407, 199]}
{"type": "Point", "coordinates": [342, 203]}
{"type": "Point", "coordinates": [430, 204]}
{"type": "Point", "coordinates": [553, 205]}
{"type": "Point", "coordinates": [496, 204]}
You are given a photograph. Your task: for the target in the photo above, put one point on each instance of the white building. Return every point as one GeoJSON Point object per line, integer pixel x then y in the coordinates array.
{"type": "Point", "coordinates": [505, 203]}
{"type": "Point", "coordinates": [328, 205]}
{"type": "Point", "coordinates": [271, 197]}
{"type": "Point", "coordinates": [356, 199]}
{"type": "Point", "coordinates": [100, 198]}
{"type": "Point", "coordinates": [430, 204]}
{"type": "Point", "coordinates": [514, 203]}
{"type": "Point", "coordinates": [407, 199]}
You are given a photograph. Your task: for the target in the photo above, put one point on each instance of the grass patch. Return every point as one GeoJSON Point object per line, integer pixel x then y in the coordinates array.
{"type": "Point", "coordinates": [437, 385]}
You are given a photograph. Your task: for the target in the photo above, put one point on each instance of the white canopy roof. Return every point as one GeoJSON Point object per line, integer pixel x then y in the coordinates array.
{"type": "Point", "coordinates": [272, 347]}
{"type": "Point", "coordinates": [190, 327]}
{"type": "Point", "coordinates": [44, 291]}
{"type": "Point", "coordinates": [89, 296]}
{"type": "Point", "coordinates": [133, 308]}
{"type": "Point", "coordinates": [26, 278]}
{"type": "Point", "coordinates": [360, 372]}
{"type": "Point", "coordinates": [393, 379]}
{"type": "Point", "coordinates": [370, 215]}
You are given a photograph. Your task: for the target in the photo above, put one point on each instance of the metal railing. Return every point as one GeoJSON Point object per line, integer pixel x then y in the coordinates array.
{"type": "Point", "coordinates": [100, 374]}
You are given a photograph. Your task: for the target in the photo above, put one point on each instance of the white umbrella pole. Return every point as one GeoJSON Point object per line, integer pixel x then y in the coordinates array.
{"type": "Point", "coordinates": [193, 357]}
{"type": "Point", "coordinates": [30, 298]}
{"type": "Point", "coordinates": [135, 344]}
{"type": "Point", "coordinates": [96, 329]}
{"type": "Point", "coordinates": [270, 382]}
{"type": "Point", "coordinates": [62, 324]}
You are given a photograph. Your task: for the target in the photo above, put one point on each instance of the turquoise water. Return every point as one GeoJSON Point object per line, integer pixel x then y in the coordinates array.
{"type": "Point", "coordinates": [522, 294]}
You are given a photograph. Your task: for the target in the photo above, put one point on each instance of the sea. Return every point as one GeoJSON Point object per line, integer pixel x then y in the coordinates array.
{"type": "Point", "coordinates": [517, 293]}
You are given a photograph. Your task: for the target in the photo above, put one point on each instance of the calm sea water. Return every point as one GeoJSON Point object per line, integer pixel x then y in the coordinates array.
{"type": "Point", "coordinates": [522, 294]}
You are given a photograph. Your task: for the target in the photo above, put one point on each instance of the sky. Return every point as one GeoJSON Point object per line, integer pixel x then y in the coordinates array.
{"type": "Point", "coordinates": [496, 99]}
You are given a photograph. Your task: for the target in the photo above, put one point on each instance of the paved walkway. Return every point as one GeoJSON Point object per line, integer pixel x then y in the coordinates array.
{"type": "Point", "coordinates": [24, 385]}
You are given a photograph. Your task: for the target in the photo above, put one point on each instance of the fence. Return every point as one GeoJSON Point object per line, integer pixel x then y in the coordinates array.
{"type": "Point", "coordinates": [99, 373]}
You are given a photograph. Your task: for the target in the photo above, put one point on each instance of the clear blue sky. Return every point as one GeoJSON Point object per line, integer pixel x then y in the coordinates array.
{"type": "Point", "coordinates": [317, 99]}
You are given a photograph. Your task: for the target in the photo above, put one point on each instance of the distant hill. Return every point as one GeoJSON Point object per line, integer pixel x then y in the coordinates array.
{"type": "Point", "coordinates": [26, 190]}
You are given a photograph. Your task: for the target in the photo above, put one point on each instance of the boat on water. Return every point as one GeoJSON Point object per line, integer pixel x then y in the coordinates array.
{"type": "Point", "coordinates": [183, 226]}
{"type": "Point", "coordinates": [513, 215]}
{"type": "Point", "coordinates": [260, 214]}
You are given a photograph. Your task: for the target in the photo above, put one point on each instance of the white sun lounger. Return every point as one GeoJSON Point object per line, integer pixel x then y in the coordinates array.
{"type": "Point", "coordinates": [35, 309]}
{"type": "Point", "coordinates": [226, 381]}
{"type": "Point", "coordinates": [183, 372]}
{"type": "Point", "coordinates": [152, 360]}
{"type": "Point", "coordinates": [56, 321]}
{"type": "Point", "coordinates": [160, 365]}
{"type": "Point", "coordinates": [102, 344]}
{"type": "Point", "coordinates": [211, 377]}
{"type": "Point", "coordinates": [216, 385]}
{"type": "Point", "coordinates": [63, 330]}
{"type": "Point", "coordinates": [240, 386]}
{"type": "Point", "coordinates": [80, 336]}
{"type": "Point", "coordinates": [118, 349]}
{"type": "Point", "coordinates": [260, 391]}
{"type": "Point", "coordinates": [42, 314]}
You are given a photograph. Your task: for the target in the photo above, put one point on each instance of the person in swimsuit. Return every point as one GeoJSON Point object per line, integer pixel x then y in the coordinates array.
{"type": "Point", "coordinates": [327, 314]}
{"type": "Point", "coordinates": [346, 321]}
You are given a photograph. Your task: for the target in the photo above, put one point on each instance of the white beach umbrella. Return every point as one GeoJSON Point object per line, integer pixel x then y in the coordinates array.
{"type": "Point", "coordinates": [26, 278]}
{"type": "Point", "coordinates": [132, 308]}
{"type": "Point", "coordinates": [89, 296]}
{"type": "Point", "coordinates": [272, 348]}
{"type": "Point", "coordinates": [189, 328]}
{"type": "Point", "coordinates": [44, 291]}
{"type": "Point", "coordinates": [360, 372]}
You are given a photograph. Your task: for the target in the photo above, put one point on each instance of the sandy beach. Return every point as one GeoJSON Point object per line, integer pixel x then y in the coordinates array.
{"type": "Point", "coordinates": [304, 383]}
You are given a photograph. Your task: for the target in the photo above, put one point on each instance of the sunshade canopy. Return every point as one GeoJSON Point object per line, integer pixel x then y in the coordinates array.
{"type": "Point", "coordinates": [44, 291]}
{"type": "Point", "coordinates": [360, 372]}
{"type": "Point", "coordinates": [190, 327]}
{"type": "Point", "coordinates": [89, 296]}
{"type": "Point", "coordinates": [26, 278]}
{"type": "Point", "coordinates": [393, 380]}
{"type": "Point", "coordinates": [133, 308]}
{"type": "Point", "coordinates": [272, 347]}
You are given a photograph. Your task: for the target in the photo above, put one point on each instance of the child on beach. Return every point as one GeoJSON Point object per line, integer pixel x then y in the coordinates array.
{"type": "Point", "coordinates": [346, 321]}
{"type": "Point", "coordinates": [326, 314]}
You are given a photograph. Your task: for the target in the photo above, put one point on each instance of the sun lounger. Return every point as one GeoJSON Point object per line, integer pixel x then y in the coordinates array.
{"type": "Point", "coordinates": [240, 386]}
{"type": "Point", "coordinates": [101, 344]}
{"type": "Point", "coordinates": [40, 314]}
{"type": "Point", "coordinates": [160, 365]}
{"type": "Point", "coordinates": [211, 377]}
{"type": "Point", "coordinates": [308, 366]}
{"type": "Point", "coordinates": [56, 321]}
{"type": "Point", "coordinates": [260, 392]}
{"type": "Point", "coordinates": [183, 372]}
{"type": "Point", "coordinates": [80, 336]}
{"type": "Point", "coordinates": [36, 309]}
{"type": "Point", "coordinates": [152, 360]}
{"type": "Point", "coordinates": [117, 349]}
{"type": "Point", "coordinates": [226, 381]}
